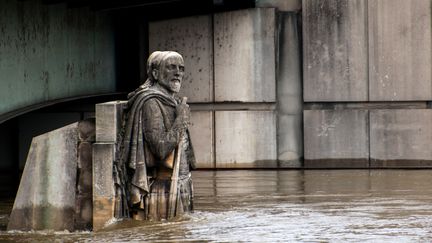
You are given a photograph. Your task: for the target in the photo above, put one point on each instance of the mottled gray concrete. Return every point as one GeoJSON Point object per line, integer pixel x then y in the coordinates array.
{"type": "Point", "coordinates": [244, 55]}
{"type": "Point", "coordinates": [192, 37]}
{"type": "Point", "coordinates": [201, 131]}
{"type": "Point", "coordinates": [108, 120]}
{"type": "Point", "coordinates": [400, 50]}
{"type": "Point", "coordinates": [245, 139]}
{"type": "Point", "coordinates": [289, 93]}
{"type": "Point", "coordinates": [46, 196]}
{"type": "Point", "coordinates": [401, 138]}
{"type": "Point", "coordinates": [335, 54]}
{"type": "Point", "coordinates": [103, 184]}
{"type": "Point", "coordinates": [108, 125]}
{"type": "Point", "coordinates": [336, 138]}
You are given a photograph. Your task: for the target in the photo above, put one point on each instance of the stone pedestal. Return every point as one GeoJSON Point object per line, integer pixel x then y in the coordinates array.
{"type": "Point", "coordinates": [51, 194]}
{"type": "Point", "coordinates": [108, 125]}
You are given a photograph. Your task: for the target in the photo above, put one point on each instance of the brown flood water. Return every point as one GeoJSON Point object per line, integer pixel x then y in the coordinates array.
{"type": "Point", "coordinates": [282, 206]}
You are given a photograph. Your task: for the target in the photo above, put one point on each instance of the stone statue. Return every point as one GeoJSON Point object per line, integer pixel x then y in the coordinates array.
{"type": "Point", "coordinates": [152, 172]}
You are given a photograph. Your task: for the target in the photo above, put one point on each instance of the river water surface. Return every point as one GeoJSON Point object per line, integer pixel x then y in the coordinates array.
{"type": "Point", "coordinates": [281, 206]}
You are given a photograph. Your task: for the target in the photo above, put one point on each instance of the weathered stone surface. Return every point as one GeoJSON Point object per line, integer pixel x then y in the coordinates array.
{"type": "Point", "coordinates": [281, 5]}
{"type": "Point", "coordinates": [245, 139]}
{"type": "Point", "coordinates": [401, 138]}
{"type": "Point", "coordinates": [46, 196]}
{"type": "Point", "coordinates": [35, 124]}
{"type": "Point", "coordinates": [103, 184]}
{"type": "Point", "coordinates": [201, 132]}
{"type": "Point", "coordinates": [400, 50]}
{"type": "Point", "coordinates": [108, 120]}
{"type": "Point", "coordinates": [336, 138]}
{"type": "Point", "coordinates": [87, 130]}
{"type": "Point", "coordinates": [335, 60]}
{"type": "Point", "coordinates": [289, 94]}
{"type": "Point", "coordinates": [244, 62]}
{"type": "Point", "coordinates": [192, 38]}
{"type": "Point", "coordinates": [84, 190]}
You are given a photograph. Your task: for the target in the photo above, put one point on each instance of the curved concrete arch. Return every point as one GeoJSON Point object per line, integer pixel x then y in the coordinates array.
{"type": "Point", "coordinates": [52, 53]}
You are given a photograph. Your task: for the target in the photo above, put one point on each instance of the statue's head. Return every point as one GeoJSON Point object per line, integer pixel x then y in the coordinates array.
{"type": "Point", "coordinates": [168, 70]}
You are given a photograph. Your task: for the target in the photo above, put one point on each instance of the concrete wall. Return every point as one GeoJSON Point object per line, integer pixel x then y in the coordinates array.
{"type": "Point", "coordinates": [244, 50]}
{"type": "Point", "coordinates": [191, 37]}
{"type": "Point", "coordinates": [335, 50]}
{"type": "Point", "coordinates": [377, 54]}
{"type": "Point", "coordinates": [50, 52]}
{"type": "Point", "coordinates": [231, 83]}
{"type": "Point", "coordinates": [399, 50]}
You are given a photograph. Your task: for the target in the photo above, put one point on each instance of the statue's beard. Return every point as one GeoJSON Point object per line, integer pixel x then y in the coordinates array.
{"type": "Point", "coordinates": [175, 86]}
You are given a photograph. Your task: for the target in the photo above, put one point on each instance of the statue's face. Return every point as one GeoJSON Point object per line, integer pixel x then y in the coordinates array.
{"type": "Point", "coordinates": [171, 73]}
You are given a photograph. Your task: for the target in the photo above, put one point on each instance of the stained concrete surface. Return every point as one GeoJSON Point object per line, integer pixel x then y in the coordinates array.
{"type": "Point", "coordinates": [244, 55]}
{"type": "Point", "coordinates": [336, 138]}
{"type": "Point", "coordinates": [245, 139]}
{"type": "Point", "coordinates": [46, 196]}
{"type": "Point", "coordinates": [335, 57]}
{"type": "Point", "coordinates": [192, 37]}
{"type": "Point", "coordinates": [401, 138]}
{"type": "Point", "coordinates": [399, 50]}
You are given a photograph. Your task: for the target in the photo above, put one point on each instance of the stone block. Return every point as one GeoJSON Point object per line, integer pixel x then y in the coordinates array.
{"type": "Point", "coordinates": [108, 120]}
{"type": "Point", "coordinates": [335, 61]}
{"type": "Point", "coordinates": [191, 37]}
{"type": "Point", "coordinates": [201, 132]}
{"type": "Point", "coordinates": [400, 50]}
{"type": "Point", "coordinates": [246, 139]}
{"type": "Point", "coordinates": [46, 195]}
{"type": "Point", "coordinates": [336, 138]}
{"type": "Point", "coordinates": [103, 184]}
{"type": "Point", "coordinates": [244, 55]}
{"type": "Point", "coordinates": [289, 93]}
{"type": "Point", "coordinates": [281, 5]}
{"type": "Point", "coordinates": [401, 138]}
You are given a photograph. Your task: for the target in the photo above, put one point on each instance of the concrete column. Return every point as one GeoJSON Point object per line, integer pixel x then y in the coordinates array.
{"type": "Point", "coordinates": [289, 93]}
{"type": "Point", "coordinates": [108, 125]}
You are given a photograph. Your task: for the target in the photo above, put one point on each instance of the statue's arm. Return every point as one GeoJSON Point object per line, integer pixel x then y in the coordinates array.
{"type": "Point", "coordinates": [161, 141]}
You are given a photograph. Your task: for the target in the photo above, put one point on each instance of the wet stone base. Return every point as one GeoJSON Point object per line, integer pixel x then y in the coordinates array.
{"type": "Point", "coordinates": [103, 211]}
{"type": "Point", "coordinates": [42, 217]}
{"type": "Point", "coordinates": [336, 163]}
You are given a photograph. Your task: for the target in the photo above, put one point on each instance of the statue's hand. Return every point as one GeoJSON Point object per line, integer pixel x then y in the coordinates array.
{"type": "Point", "coordinates": [183, 112]}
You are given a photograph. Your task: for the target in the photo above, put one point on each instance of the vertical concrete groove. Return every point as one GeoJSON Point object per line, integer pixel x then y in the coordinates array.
{"type": "Point", "coordinates": [367, 46]}
{"type": "Point", "coordinates": [214, 91]}
{"type": "Point", "coordinates": [278, 35]}
{"type": "Point", "coordinates": [368, 80]}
